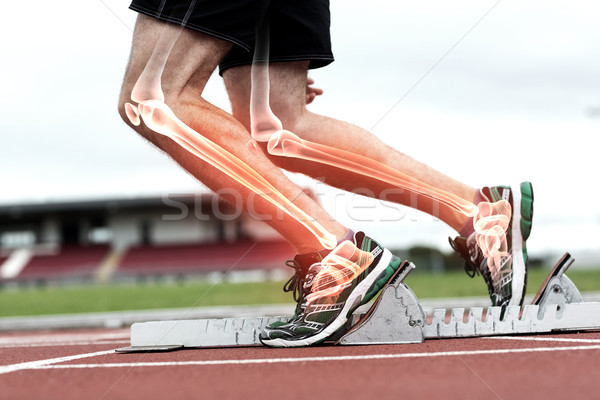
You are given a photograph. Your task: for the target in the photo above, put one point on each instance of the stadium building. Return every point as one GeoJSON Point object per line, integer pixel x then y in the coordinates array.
{"type": "Point", "coordinates": [112, 239]}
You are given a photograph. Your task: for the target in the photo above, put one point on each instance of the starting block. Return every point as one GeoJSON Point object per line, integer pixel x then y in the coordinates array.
{"type": "Point", "coordinates": [395, 317]}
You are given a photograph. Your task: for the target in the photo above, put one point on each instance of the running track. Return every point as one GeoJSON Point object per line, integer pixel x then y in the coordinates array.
{"type": "Point", "coordinates": [82, 365]}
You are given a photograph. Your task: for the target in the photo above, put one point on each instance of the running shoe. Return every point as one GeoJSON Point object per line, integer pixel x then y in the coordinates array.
{"type": "Point", "coordinates": [331, 290]}
{"type": "Point", "coordinates": [506, 286]}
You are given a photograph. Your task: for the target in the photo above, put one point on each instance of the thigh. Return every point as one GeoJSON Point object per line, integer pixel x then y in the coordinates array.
{"type": "Point", "coordinates": [287, 96]}
{"type": "Point", "coordinates": [193, 59]}
{"type": "Point", "coordinates": [231, 20]}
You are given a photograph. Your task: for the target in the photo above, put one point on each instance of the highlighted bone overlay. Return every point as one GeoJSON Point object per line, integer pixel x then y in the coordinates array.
{"type": "Point", "coordinates": [287, 144]}
{"type": "Point", "coordinates": [263, 122]}
{"type": "Point", "coordinates": [160, 118]}
{"type": "Point", "coordinates": [337, 271]}
{"type": "Point", "coordinates": [491, 224]}
{"type": "Point", "coordinates": [132, 114]}
{"type": "Point", "coordinates": [490, 220]}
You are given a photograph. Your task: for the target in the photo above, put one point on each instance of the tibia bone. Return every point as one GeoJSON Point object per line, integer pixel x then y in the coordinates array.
{"type": "Point", "coordinates": [286, 143]}
{"type": "Point", "coordinates": [161, 119]}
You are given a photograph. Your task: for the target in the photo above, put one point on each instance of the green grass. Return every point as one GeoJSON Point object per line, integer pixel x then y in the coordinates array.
{"type": "Point", "coordinates": [60, 300]}
{"type": "Point", "coordinates": [458, 284]}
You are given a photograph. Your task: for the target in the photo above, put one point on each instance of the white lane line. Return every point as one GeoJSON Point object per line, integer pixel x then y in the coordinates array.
{"type": "Point", "coordinates": [52, 344]}
{"type": "Point", "coordinates": [5, 369]}
{"type": "Point", "coordinates": [62, 338]}
{"type": "Point", "coordinates": [544, 339]}
{"type": "Point", "coordinates": [320, 359]}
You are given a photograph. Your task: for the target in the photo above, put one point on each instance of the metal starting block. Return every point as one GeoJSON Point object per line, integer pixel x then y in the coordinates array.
{"type": "Point", "coordinates": [395, 317]}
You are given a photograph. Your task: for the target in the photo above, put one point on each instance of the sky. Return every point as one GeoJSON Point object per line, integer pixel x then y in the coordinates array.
{"type": "Point", "coordinates": [488, 92]}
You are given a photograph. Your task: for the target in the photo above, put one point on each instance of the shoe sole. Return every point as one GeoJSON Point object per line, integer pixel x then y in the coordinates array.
{"type": "Point", "coordinates": [521, 228]}
{"type": "Point", "coordinates": [354, 300]}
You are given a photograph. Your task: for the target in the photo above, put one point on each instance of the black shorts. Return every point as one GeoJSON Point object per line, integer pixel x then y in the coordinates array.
{"type": "Point", "coordinates": [299, 29]}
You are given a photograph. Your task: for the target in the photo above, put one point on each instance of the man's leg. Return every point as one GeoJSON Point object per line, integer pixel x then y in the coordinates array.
{"type": "Point", "coordinates": [288, 102]}
{"type": "Point", "coordinates": [346, 277]}
{"type": "Point", "coordinates": [193, 59]}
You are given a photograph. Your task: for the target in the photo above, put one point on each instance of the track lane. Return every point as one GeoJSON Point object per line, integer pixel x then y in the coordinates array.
{"type": "Point", "coordinates": [548, 366]}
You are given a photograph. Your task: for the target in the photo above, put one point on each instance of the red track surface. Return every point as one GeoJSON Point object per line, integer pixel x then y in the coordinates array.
{"type": "Point", "coordinates": [524, 367]}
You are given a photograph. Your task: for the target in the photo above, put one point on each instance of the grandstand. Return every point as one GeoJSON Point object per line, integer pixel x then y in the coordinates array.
{"type": "Point", "coordinates": [111, 239]}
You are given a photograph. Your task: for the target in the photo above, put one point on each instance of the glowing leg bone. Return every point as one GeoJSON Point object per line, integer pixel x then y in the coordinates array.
{"type": "Point", "coordinates": [148, 85]}
{"type": "Point", "coordinates": [266, 127]}
{"type": "Point", "coordinates": [263, 123]}
{"type": "Point", "coordinates": [285, 143]}
{"type": "Point", "coordinates": [490, 220]}
{"type": "Point", "coordinates": [161, 119]}
{"type": "Point", "coordinates": [490, 225]}
{"type": "Point", "coordinates": [132, 113]}
{"type": "Point", "coordinates": [338, 270]}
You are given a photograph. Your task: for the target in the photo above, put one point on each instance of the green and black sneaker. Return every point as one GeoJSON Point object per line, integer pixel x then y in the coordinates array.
{"type": "Point", "coordinates": [331, 289]}
{"type": "Point", "coordinates": [506, 286]}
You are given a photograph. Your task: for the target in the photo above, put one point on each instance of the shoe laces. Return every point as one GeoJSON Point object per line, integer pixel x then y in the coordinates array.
{"type": "Point", "coordinates": [469, 253]}
{"type": "Point", "coordinates": [296, 284]}
{"type": "Point", "coordinates": [475, 262]}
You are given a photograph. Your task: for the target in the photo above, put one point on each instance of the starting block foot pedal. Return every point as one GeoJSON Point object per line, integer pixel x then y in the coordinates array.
{"type": "Point", "coordinates": [558, 288]}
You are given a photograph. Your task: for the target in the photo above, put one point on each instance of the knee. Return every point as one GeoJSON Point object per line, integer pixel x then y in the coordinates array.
{"type": "Point", "coordinates": [135, 122]}
{"type": "Point", "coordinates": [126, 107]}
{"type": "Point", "coordinates": [125, 97]}
{"type": "Point", "coordinates": [287, 163]}
{"type": "Point", "coordinates": [291, 115]}
{"type": "Point", "coordinates": [121, 108]}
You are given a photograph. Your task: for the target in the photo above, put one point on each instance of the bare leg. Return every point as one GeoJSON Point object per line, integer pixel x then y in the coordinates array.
{"type": "Point", "coordinates": [288, 101]}
{"type": "Point", "coordinates": [193, 58]}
